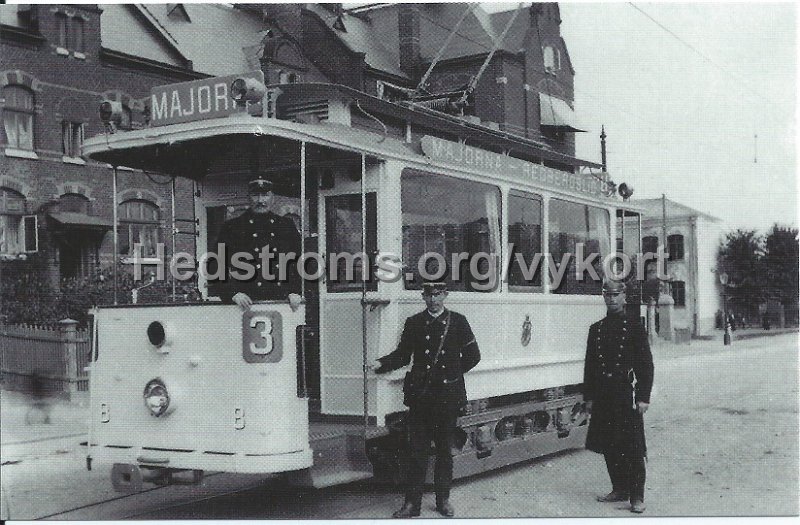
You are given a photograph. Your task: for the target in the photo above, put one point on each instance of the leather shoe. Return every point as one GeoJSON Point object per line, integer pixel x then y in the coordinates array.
{"type": "Point", "coordinates": [638, 506]}
{"type": "Point", "coordinates": [408, 510]}
{"type": "Point", "coordinates": [612, 497]}
{"type": "Point", "coordinates": [445, 509]}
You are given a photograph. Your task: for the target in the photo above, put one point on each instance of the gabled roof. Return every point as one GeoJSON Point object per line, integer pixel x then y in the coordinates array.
{"type": "Point", "coordinates": [475, 36]}
{"type": "Point", "coordinates": [227, 35]}
{"type": "Point", "coordinates": [674, 209]}
{"type": "Point", "coordinates": [360, 36]}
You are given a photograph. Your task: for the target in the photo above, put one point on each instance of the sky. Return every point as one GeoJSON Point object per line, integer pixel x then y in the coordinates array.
{"type": "Point", "coordinates": [681, 103]}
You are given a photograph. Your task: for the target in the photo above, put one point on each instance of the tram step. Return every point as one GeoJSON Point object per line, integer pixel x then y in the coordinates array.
{"type": "Point", "coordinates": [338, 478]}
{"type": "Point", "coordinates": [338, 458]}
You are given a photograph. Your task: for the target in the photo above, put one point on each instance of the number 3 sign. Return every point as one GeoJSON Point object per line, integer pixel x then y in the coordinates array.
{"type": "Point", "coordinates": [262, 337]}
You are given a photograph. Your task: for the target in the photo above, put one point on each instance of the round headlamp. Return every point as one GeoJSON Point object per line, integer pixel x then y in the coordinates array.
{"type": "Point", "coordinates": [156, 397]}
{"type": "Point", "coordinates": [244, 90]}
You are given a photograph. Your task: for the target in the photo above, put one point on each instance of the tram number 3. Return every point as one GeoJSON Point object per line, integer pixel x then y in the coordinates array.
{"type": "Point", "coordinates": [261, 337]}
{"type": "Point", "coordinates": [263, 326]}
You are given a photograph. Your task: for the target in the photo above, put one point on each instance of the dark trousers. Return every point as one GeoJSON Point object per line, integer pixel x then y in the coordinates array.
{"type": "Point", "coordinates": [428, 423]}
{"type": "Point", "coordinates": [627, 474]}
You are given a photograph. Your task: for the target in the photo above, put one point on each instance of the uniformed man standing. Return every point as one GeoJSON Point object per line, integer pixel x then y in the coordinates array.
{"type": "Point", "coordinates": [443, 349]}
{"type": "Point", "coordinates": [618, 376]}
{"type": "Point", "coordinates": [263, 235]}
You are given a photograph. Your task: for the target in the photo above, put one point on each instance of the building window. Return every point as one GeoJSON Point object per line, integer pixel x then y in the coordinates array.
{"type": "Point", "coordinates": [573, 224]}
{"type": "Point", "coordinates": [63, 30]}
{"type": "Point", "coordinates": [650, 244]}
{"type": "Point", "coordinates": [78, 34]}
{"type": "Point", "coordinates": [524, 241]}
{"type": "Point", "coordinates": [71, 138]}
{"type": "Point", "coordinates": [552, 59]}
{"type": "Point", "coordinates": [677, 290]}
{"type": "Point", "coordinates": [452, 218]}
{"type": "Point", "coordinates": [138, 224]}
{"type": "Point", "coordinates": [675, 247]}
{"type": "Point", "coordinates": [18, 232]}
{"type": "Point", "coordinates": [18, 117]}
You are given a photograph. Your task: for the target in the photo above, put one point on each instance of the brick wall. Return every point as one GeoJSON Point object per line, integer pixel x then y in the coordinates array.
{"type": "Point", "coordinates": [70, 85]}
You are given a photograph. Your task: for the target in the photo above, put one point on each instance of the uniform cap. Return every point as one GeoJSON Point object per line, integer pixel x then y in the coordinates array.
{"type": "Point", "coordinates": [259, 185]}
{"type": "Point", "coordinates": [432, 287]}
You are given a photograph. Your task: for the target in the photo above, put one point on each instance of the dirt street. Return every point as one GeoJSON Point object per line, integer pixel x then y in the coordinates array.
{"type": "Point", "coordinates": [722, 436]}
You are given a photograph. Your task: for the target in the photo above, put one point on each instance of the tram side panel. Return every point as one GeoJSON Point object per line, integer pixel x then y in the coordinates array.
{"type": "Point", "coordinates": [526, 343]}
{"type": "Point", "coordinates": [230, 379]}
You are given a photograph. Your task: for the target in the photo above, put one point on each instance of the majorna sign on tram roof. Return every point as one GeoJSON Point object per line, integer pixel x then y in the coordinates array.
{"type": "Point", "coordinates": [476, 158]}
{"type": "Point", "coordinates": [195, 100]}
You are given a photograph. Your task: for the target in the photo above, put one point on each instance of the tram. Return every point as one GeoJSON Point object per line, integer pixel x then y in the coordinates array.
{"type": "Point", "coordinates": [185, 388]}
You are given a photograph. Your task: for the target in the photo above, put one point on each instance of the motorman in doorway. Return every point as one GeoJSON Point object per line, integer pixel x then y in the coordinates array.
{"type": "Point", "coordinates": [254, 232]}
{"type": "Point", "coordinates": [443, 349]}
{"type": "Point", "coordinates": [617, 379]}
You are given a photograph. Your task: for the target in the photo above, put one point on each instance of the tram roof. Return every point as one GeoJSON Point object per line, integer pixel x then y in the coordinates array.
{"type": "Point", "coordinates": [478, 134]}
{"type": "Point", "coordinates": [150, 141]}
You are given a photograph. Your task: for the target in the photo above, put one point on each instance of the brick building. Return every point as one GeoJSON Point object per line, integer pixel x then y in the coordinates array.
{"type": "Point", "coordinates": [59, 62]}
{"type": "Point", "coordinates": [526, 89]}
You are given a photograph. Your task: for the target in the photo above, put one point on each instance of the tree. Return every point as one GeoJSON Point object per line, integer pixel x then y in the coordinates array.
{"type": "Point", "coordinates": [781, 263]}
{"type": "Point", "coordinates": [741, 256]}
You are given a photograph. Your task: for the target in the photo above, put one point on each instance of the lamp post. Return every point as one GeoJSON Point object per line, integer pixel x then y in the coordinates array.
{"type": "Point", "coordinates": [726, 338]}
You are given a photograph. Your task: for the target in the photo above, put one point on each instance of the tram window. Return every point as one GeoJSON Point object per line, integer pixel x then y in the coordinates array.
{"type": "Point", "coordinates": [343, 236]}
{"type": "Point", "coordinates": [525, 239]}
{"type": "Point", "coordinates": [570, 224]}
{"type": "Point", "coordinates": [450, 216]}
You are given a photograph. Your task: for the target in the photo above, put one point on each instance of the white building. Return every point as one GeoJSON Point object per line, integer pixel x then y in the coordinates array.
{"type": "Point", "coordinates": [692, 240]}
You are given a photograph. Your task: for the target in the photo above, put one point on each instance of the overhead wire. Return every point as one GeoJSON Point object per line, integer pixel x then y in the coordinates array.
{"type": "Point", "coordinates": [701, 54]}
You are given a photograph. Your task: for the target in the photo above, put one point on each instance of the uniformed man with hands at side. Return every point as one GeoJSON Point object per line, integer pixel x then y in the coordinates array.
{"type": "Point", "coordinates": [617, 379]}
{"type": "Point", "coordinates": [441, 344]}
{"type": "Point", "coordinates": [258, 232]}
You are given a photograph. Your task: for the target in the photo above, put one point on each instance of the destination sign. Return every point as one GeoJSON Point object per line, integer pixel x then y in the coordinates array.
{"type": "Point", "coordinates": [471, 157]}
{"type": "Point", "coordinates": [195, 100]}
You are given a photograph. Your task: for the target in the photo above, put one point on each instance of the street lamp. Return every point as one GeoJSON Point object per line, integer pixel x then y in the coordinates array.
{"type": "Point", "coordinates": [726, 338]}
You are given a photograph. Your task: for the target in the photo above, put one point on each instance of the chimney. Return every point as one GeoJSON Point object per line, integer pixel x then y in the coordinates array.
{"type": "Point", "coordinates": [408, 31]}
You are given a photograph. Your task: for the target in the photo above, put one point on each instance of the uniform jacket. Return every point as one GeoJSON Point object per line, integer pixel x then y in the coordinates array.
{"type": "Point", "coordinates": [253, 233]}
{"type": "Point", "coordinates": [442, 376]}
{"type": "Point", "coordinates": [616, 349]}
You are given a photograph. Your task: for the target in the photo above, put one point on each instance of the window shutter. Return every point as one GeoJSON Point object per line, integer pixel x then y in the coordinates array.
{"type": "Point", "coordinates": [30, 233]}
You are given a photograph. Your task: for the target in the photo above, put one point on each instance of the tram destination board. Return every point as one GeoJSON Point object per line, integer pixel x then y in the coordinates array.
{"type": "Point", "coordinates": [195, 100]}
{"type": "Point", "coordinates": [467, 156]}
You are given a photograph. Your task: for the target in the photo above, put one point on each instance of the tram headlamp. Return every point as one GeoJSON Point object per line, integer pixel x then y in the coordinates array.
{"type": "Point", "coordinates": [156, 397]}
{"type": "Point", "coordinates": [625, 191]}
{"type": "Point", "coordinates": [111, 111]}
{"type": "Point", "coordinates": [244, 90]}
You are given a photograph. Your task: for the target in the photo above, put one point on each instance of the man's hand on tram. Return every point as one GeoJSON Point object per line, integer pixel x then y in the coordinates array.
{"type": "Point", "coordinates": [294, 301]}
{"type": "Point", "coordinates": [375, 367]}
{"type": "Point", "coordinates": [243, 300]}
{"type": "Point", "coordinates": [642, 407]}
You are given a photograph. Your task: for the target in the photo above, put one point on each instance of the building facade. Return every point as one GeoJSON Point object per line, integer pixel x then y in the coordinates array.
{"type": "Point", "coordinates": [59, 63]}
{"type": "Point", "coordinates": [692, 240]}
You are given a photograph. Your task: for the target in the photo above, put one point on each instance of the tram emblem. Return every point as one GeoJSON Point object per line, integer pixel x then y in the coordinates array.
{"type": "Point", "coordinates": [526, 331]}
